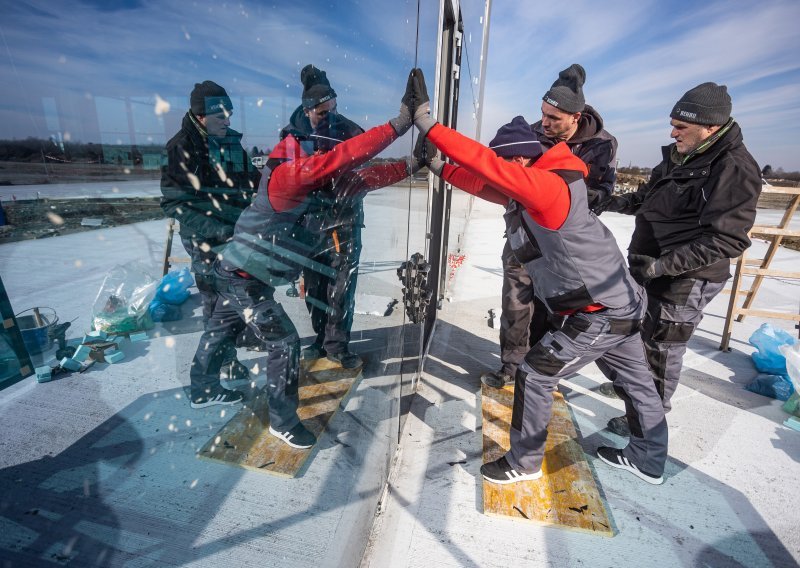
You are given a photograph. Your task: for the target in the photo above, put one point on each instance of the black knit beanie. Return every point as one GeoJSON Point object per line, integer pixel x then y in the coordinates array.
{"type": "Point", "coordinates": [209, 98]}
{"type": "Point", "coordinates": [316, 87]}
{"type": "Point", "coordinates": [707, 103]}
{"type": "Point", "coordinates": [566, 93]}
{"type": "Point", "coordinates": [516, 139]}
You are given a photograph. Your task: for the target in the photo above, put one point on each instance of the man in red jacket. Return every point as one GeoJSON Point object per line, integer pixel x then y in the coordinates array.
{"type": "Point", "coordinates": [579, 273]}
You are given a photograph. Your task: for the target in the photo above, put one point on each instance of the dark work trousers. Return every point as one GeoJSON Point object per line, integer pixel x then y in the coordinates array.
{"type": "Point", "coordinates": [619, 353]}
{"type": "Point", "coordinates": [250, 301]}
{"type": "Point", "coordinates": [331, 300]}
{"type": "Point", "coordinates": [524, 319]}
{"type": "Point", "coordinates": [203, 271]}
{"type": "Point", "coordinates": [674, 310]}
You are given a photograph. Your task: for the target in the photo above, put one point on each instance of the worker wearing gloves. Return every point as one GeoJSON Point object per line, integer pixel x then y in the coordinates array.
{"type": "Point", "coordinates": [579, 273]}
{"type": "Point", "coordinates": [272, 243]}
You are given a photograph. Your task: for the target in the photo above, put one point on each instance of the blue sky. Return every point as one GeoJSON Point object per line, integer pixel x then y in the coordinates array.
{"type": "Point", "coordinates": [91, 70]}
{"type": "Point", "coordinates": [640, 57]}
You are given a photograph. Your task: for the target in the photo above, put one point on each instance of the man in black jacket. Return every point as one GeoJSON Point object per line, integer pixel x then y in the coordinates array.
{"type": "Point", "coordinates": [206, 184]}
{"type": "Point", "coordinates": [692, 217]}
{"type": "Point", "coordinates": [565, 118]}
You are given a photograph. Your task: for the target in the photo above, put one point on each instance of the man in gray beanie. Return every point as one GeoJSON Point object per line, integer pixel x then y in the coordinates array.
{"type": "Point", "coordinates": [565, 118]}
{"type": "Point", "coordinates": [692, 217]}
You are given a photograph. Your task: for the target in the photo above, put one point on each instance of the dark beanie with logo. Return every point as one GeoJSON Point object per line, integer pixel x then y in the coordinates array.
{"type": "Point", "coordinates": [707, 103]}
{"type": "Point", "coordinates": [516, 139]}
{"type": "Point", "coordinates": [566, 93]}
{"type": "Point", "coordinates": [209, 98]}
{"type": "Point", "coordinates": [316, 87]}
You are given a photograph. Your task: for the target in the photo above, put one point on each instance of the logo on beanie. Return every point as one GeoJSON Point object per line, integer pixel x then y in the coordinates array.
{"type": "Point", "coordinates": [550, 101]}
{"type": "Point", "coordinates": [687, 114]}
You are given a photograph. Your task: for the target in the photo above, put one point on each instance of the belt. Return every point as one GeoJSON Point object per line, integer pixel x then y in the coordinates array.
{"type": "Point", "coordinates": [243, 274]}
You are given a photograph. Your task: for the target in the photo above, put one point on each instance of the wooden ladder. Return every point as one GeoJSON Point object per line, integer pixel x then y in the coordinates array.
{"type": "Point", "coordinates": [759, 267]}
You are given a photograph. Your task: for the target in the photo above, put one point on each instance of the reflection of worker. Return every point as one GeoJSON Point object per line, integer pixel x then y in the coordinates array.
{"type": "Point", "coordinates": [273, 241]}
{"type": "Point", "coordinates": [692, 217]}
{"type": "Point", "coordinates": [579, 273]}
{"type": "Point", "coordinates": [330, 296]}
{"type": "Point", "coordinates": [206, 184]}
{"type": "Point", "coordinates": [565, 118]}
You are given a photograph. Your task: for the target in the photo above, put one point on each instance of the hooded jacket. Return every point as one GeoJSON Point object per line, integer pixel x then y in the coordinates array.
{"type": "Point", "coordinates": [194, 182]}
{"type": "Point", "coordinates": [695, 215]}
{"type": "Point", "coordinates": [596, 147]}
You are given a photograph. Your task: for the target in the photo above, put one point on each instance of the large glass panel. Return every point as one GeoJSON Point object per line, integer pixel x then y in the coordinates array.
{"type": "Point", "coordinates": [118, 116]}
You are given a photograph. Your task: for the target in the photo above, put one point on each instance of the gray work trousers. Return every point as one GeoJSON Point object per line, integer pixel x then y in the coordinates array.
{"type": "Point", "coordinates": [587, 337]}
{"type": "Point", "coordinates": [241, 300]}
{"type": "Point", "coordinates": [674, 310]}
{"type": "Point", "coordinates": [524, 319]}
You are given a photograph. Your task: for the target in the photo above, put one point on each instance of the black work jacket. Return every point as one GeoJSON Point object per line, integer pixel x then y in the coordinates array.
{"type": "Point", "coordinates": [206, 182]}
{"type": "Point", "coordinates": [695, 216]}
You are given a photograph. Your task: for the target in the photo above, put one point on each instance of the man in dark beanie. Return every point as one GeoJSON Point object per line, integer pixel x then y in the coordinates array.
{"type": "Point", "coordinates": [330, 297]}
{"type": "Point", "coordinates": [565, 118]}
{"type": "Point", "coordinates": [580, 275]}
{"type": "Point", "coordinates": [206, 183]}
{"type": "Point", "coordinates": [692, 217]}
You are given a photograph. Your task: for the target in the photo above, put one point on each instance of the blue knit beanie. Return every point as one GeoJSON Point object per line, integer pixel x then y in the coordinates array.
{"type": "Point", "coordinates": [516, 139]}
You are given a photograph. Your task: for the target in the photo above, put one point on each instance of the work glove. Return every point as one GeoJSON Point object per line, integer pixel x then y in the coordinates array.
{"type": "Point", "coordinates": [412, 99]}
{"type": "Point", "coordinates": [422, 110]}
{"type": "Point", "coordinates": [644, 268]}
{"type": "Point", "coordinates": [424, 152]}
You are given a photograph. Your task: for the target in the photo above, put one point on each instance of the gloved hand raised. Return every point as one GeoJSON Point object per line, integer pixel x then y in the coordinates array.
{"type": "Point", "coordinates": [644, 268]}
{"type": "Point", "coordinates": [414, 98]}
{"type": "Point", "coordinates": [423, 151]}
{"type": "Point", "coordinates": [422, 111]}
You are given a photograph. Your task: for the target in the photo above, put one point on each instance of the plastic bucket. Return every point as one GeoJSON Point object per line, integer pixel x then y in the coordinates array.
{"type": "Point", "coordinates": [36, 334]}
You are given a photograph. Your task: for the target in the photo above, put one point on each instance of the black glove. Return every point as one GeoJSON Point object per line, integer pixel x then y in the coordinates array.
{"type": "Point", "coordinates": [644, 268]}
{"type": "Point", "coordinates": [422, 106]}
{"type": "Point", "coordinates": [414, 99]}
{"type": "Point", "coordinates": [424, 150]}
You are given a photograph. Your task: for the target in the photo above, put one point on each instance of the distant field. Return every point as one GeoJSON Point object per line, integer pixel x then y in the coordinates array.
{"type": "Point", "coordinates": [24, 173]}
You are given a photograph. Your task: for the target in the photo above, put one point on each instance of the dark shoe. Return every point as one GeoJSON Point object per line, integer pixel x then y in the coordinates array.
{"type": "Point", "coordinates": [496, 379]}
{"type": "Point", "coordinates": [234, 371]}
{"type": "Point", "coordinates": [607, 389]}
{"type": "Point", "coordinates": [500, 471]}
{"type": "Point", "coordinates": [348, 360]}
{"type": "Point", "coordinates": [297, 437]}
{"type": "Point", "coordinates": [619, 426]}
{"type": "Point", "coordinates": [313, 351]}
{"type": "Point", "coordinates": [614, 458]}
{"type": "Point", "coordinates": [221, 396]}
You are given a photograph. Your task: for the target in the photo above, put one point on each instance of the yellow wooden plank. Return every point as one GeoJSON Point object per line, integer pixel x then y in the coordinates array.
{"type": "Point", "coordinates": [245, 440]}
{"type": "Point", "coordinates": [566, 496]}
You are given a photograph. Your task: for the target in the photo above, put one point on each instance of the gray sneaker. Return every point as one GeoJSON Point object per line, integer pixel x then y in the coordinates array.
{"type": "Point", "coordinates": [497, 379]}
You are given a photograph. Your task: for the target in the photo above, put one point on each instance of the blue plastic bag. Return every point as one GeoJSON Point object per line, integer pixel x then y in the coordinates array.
{"type": "Point", "coordinates": [775, 386]}
{"type": "Point", "coordinates": [769, 359]}
{"type": "Point", "coordinates": [174, 287]}
{"type": "Point", "coordinates": [159, 311]}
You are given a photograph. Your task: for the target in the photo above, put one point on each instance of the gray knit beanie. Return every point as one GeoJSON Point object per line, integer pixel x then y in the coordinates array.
{"type": "Point", "coordinates": [707, 103]}
{"type": "Point", "coordinates": [566, 93]}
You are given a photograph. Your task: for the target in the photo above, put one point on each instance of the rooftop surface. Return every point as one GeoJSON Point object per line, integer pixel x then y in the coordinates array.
{"type": "Point", "coordinates": [100, 467]}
